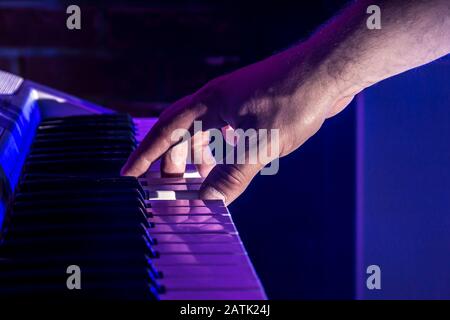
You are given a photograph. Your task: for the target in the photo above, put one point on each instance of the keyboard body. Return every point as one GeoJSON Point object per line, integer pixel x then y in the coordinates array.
{"type": "Point", "coordinates": [64, 206]}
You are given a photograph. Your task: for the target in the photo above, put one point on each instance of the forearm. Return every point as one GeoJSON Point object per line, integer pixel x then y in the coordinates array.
{"type": "Point", "coordinates": [412, 33]}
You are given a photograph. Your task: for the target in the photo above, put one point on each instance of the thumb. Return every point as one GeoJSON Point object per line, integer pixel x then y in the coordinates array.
{"type": "Point", "coordinates": [228, 181]}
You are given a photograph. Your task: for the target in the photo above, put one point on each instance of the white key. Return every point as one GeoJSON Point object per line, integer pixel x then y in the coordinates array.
{"type": "Point", "coordinates": [191, 218]}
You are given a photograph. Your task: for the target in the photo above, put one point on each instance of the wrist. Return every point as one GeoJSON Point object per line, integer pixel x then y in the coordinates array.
{"type": "Point", "coordinates": [339, 71]}
{"type": "Point", "coordinates": [317, 68]}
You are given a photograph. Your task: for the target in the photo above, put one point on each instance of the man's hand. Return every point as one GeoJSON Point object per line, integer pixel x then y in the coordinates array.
{"type": "Point", "coordinates": [296, 90]}
{"type": "Point", "coordinates": [285, 92]}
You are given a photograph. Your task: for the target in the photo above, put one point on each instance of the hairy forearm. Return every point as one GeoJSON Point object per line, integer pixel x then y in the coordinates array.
{"type": "Point", "coordinates": [412, 33]}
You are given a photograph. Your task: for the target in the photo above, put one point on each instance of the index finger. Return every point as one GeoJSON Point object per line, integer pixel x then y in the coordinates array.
{"type": "Point", "coordinates": [179, 116]}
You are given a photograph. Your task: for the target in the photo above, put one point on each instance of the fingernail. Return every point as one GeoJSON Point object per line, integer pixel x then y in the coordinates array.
{"type": "Point", "coordinates": [211, 193]}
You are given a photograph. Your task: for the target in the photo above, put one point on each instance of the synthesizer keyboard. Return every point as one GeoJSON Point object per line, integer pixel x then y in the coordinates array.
{"type": "Point", "coordinates": [64, 204]}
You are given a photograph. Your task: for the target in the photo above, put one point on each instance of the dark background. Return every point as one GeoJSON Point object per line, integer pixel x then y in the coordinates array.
{"type": "Point", "coordinates": [136, 56]}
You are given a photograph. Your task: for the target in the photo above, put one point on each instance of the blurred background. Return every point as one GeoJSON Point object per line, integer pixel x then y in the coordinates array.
{"type": "Point", "coordinates": [129, 53]}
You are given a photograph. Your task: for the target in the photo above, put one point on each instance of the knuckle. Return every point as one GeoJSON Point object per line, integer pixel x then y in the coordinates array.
{"type": "Point", "coordinates": [211, 91]}
{"type": "Point", "coordinates": [233, 175]}
{"type": "Point", "coordinates": [163, 131]}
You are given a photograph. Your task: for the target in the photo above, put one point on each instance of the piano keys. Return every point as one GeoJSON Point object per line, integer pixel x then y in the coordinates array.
{"type": "Point", "coordinates": [64, 203]}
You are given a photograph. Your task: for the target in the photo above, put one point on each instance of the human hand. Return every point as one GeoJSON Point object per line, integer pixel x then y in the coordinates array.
{"type": "Point", "coordinates": [292, 92]}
